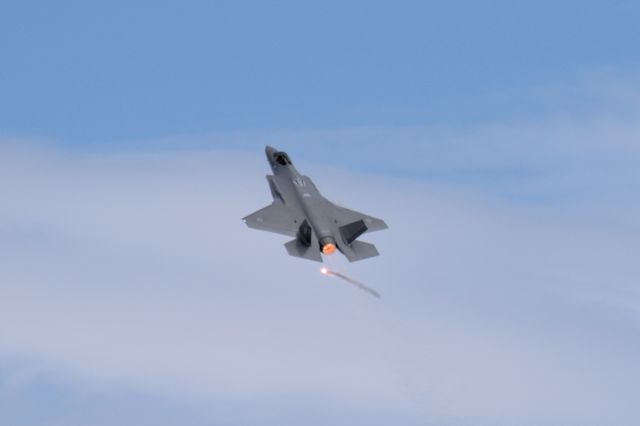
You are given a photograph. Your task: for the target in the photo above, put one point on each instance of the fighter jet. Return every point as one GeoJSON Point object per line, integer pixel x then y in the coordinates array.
{"type": "Point", "coordinates": [318, 225]}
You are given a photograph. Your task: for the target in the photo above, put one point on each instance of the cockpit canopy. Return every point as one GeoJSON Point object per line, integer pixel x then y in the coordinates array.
{"type": "Point", "coordinates": [282, 158]}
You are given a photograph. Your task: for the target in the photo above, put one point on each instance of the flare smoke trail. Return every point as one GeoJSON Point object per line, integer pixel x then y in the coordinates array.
{"type": "Point", "coordinates": [361, 286]}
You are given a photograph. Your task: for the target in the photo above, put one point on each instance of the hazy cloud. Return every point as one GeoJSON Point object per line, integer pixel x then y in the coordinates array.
{"type": "Point", "coordinates": [509, 278]}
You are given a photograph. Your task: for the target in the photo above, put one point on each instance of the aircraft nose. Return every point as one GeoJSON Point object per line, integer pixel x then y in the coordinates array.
{"type": "Point", "coordinates": [269, 150]}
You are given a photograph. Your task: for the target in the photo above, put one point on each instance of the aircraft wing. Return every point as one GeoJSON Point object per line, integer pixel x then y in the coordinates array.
{"type": "Point", "coordinates": [273, 218]}
{"type": "Point", "coordinates": [345, 216]}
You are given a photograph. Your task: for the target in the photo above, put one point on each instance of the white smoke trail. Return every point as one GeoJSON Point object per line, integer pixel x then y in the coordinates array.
{"type": "Point", "coordinates": [361, 286]}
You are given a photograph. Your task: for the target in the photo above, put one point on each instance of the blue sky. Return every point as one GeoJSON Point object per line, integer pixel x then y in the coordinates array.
{"type": "Point", "coordinates": [499, 141]}
{"type": "Point", "coordinates": [100, 73]}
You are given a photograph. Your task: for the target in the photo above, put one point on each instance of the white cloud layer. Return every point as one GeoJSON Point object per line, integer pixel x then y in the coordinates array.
{"type": "Point", "coordinates": [133, 270]}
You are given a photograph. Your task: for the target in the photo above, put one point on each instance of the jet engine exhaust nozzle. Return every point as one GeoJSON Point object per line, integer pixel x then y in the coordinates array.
{"type": "Point", "coordinates": [328, 246]}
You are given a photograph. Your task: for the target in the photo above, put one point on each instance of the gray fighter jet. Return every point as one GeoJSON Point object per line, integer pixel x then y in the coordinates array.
{"type": "Point", "coordinates": [318, 225]}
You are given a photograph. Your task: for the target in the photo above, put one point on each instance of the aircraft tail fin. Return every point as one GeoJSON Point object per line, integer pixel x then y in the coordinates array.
{"type": "Point", "coordinates": [352, 231]}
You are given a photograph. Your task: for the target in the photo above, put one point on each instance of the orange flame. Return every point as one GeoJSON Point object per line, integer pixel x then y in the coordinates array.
{"type": "Point", "coordinates": [329, 249]}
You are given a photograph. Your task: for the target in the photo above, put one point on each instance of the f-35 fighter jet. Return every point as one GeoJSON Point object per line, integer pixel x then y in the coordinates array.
{"type": "Point", "coordinates": [318, 225]}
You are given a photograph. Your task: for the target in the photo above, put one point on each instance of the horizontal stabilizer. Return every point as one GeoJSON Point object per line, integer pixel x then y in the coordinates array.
{"type": "Point", "coordinates": [358, 250]}
{"type": "Point", "coordinates": [297, 248]}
